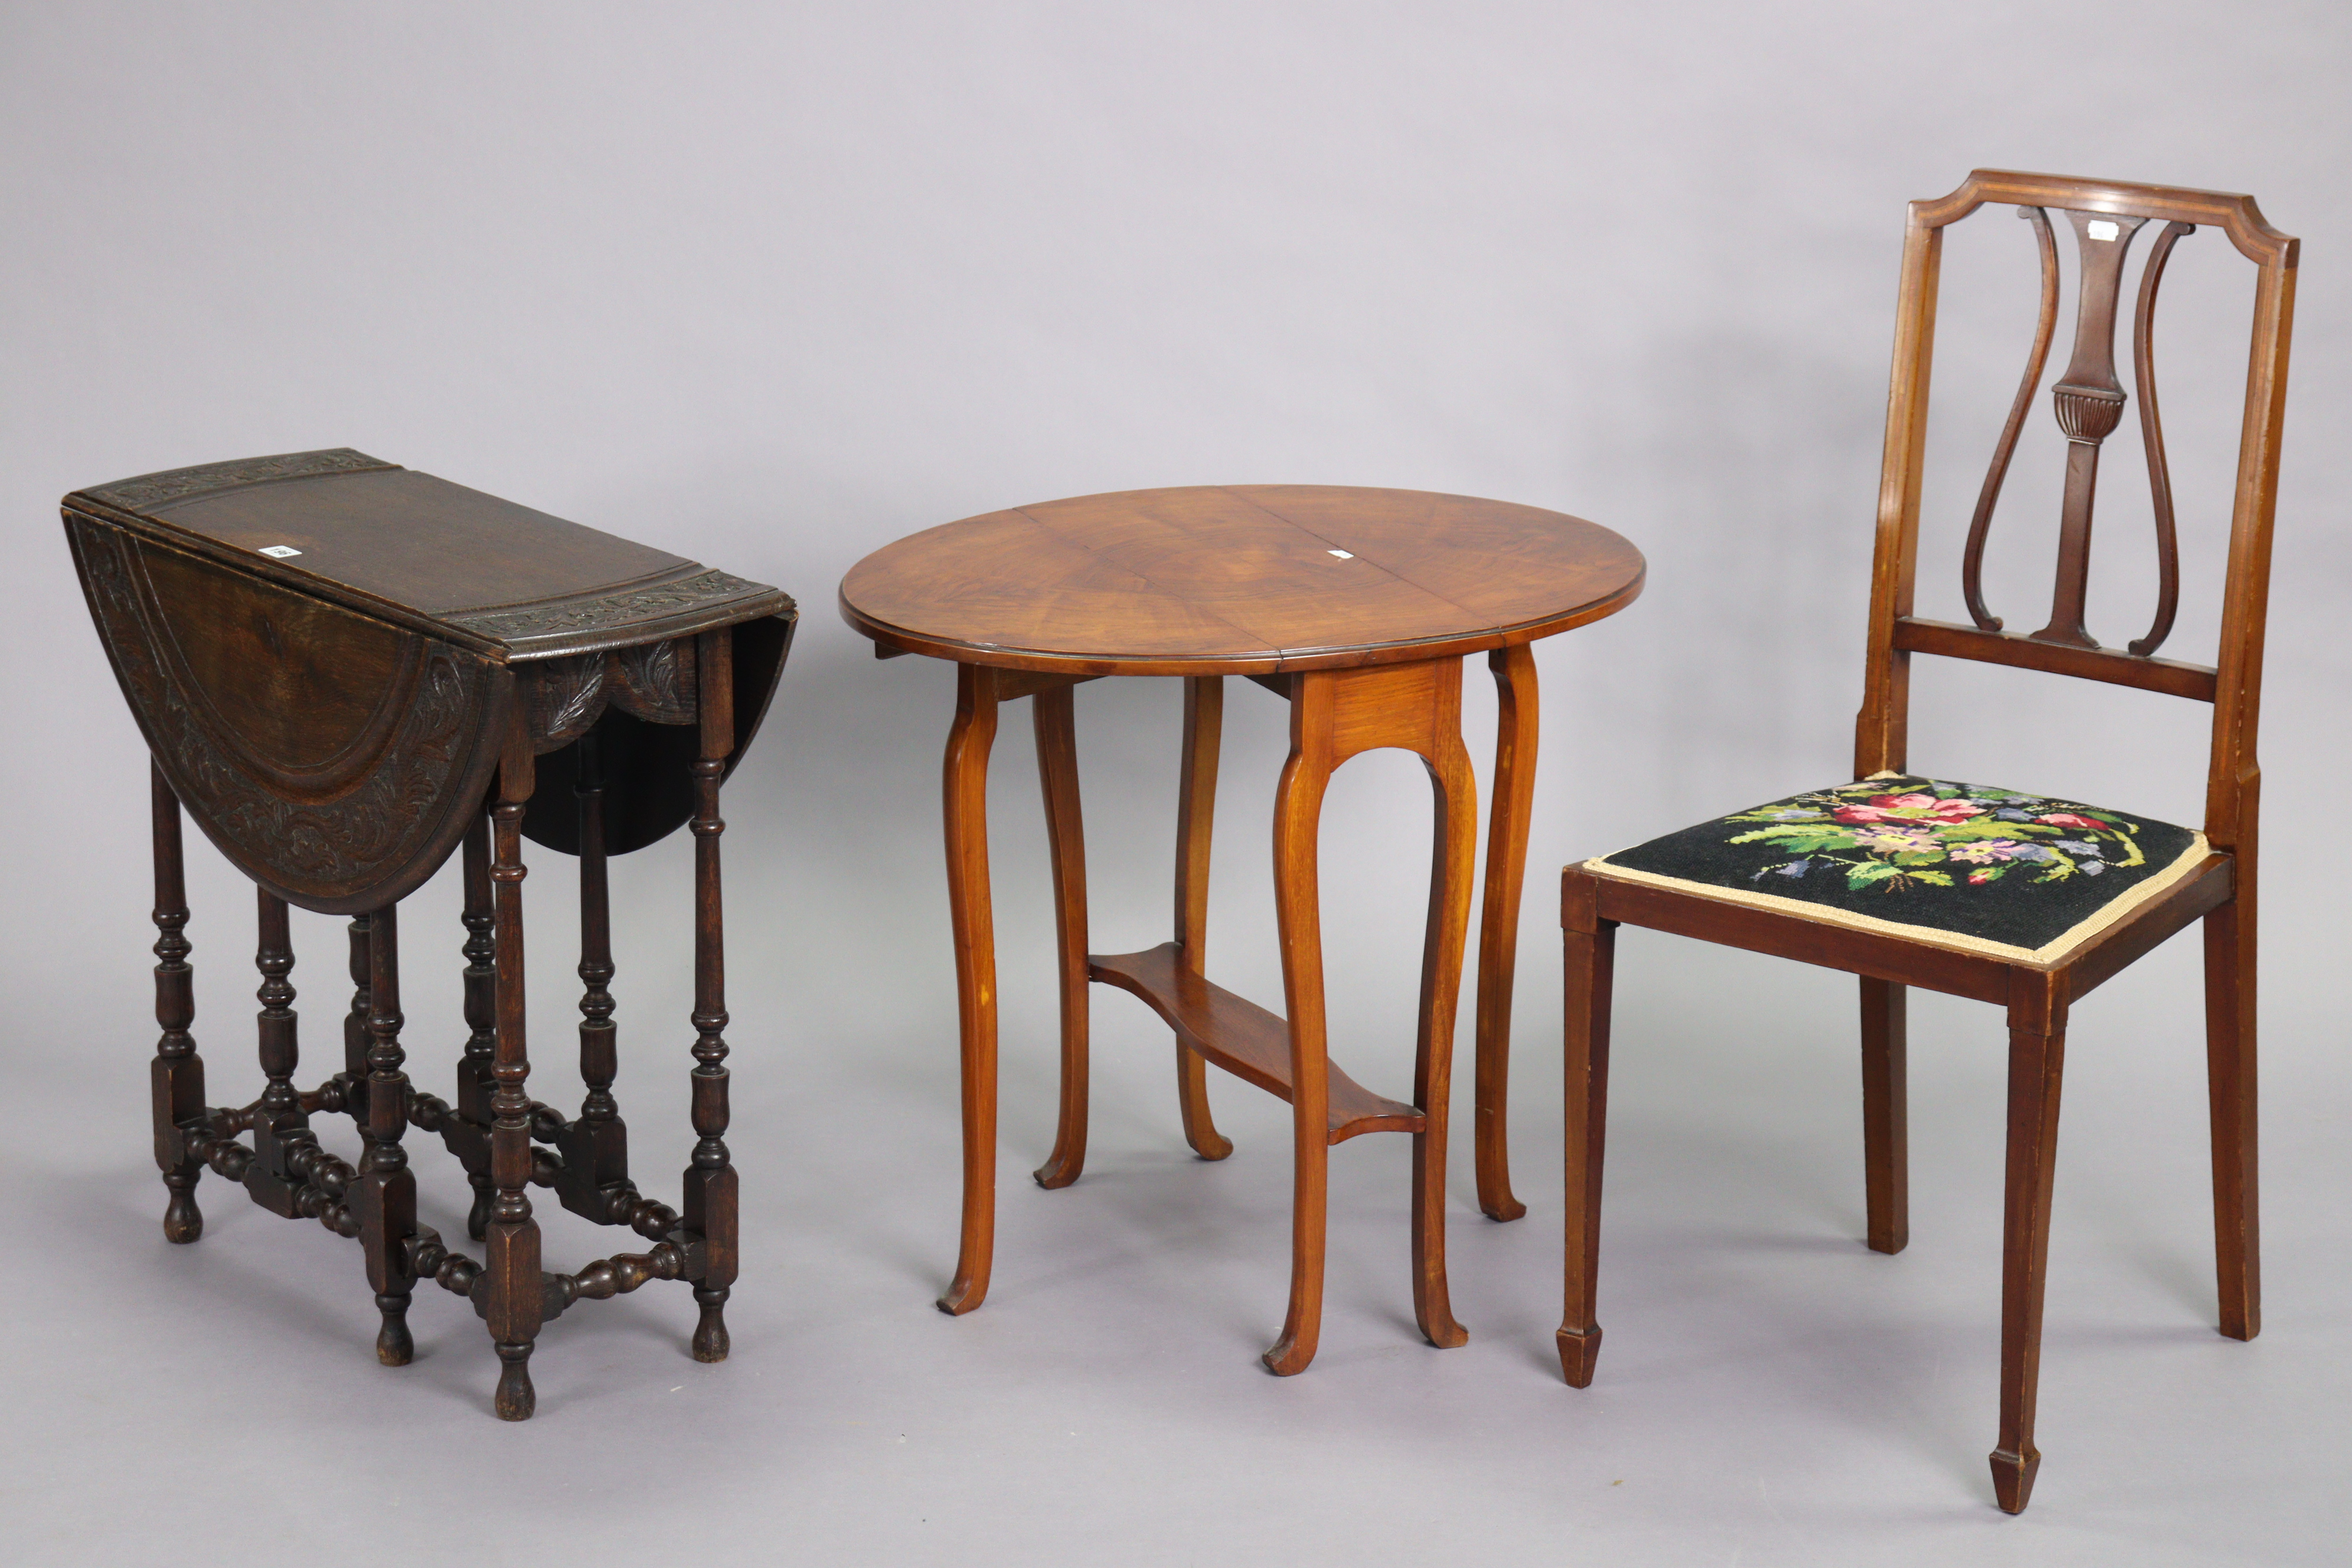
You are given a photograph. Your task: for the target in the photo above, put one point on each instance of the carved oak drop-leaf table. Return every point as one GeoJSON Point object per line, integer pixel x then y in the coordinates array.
{"type": "Point", "coordinates": [345, 672]}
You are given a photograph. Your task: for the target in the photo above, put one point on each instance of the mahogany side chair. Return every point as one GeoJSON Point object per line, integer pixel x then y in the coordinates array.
{"type": "Point", "coordinates": [2023, 900]}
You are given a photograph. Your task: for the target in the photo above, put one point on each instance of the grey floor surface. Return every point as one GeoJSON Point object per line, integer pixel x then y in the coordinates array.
{"type": "Point", "coordinates": [1770, 1392]}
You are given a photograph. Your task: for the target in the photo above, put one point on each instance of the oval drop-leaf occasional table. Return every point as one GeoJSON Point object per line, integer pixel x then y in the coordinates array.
{"type": "Point", "coordinates": [345, 670]}
{"type": "Point", "coordinates": [1357, 606]}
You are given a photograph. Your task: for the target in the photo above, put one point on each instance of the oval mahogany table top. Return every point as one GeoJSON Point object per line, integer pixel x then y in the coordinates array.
{"type": "Point", "coordinates": [1238, 580]}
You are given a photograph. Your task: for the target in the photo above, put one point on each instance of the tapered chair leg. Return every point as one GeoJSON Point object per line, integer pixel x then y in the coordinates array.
{"type": "Point", "coordinates": [1298, 812]}
{"type": "Point", "coordinates": [1591, 950]}
{"type": "Point", "coordinates": [1057, 774]}
{"type": "Point", "coordinates": [1196, 810]}
{"type": "Point", "coordinates": [2229, 1081]}
{"type": "Point", "coordinates": [1885, 1136]}
{"type": "Point", "coordinates": [1454, 840]}
{"type": "Point", "coordinates": [2037, 1053]}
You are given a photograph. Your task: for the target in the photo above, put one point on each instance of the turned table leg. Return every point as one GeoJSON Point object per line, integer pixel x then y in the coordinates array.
{"type": "Point", "coordinates": [176, 1078]}
{"type": "Point", "coordinates": [510, 1239]}
{"type": "Point", "coordinates": [974, 927]}
{"type": "Point", "coordinates": [353, 1079]}
{"type": "Point", "coordinates": [1498, 927]}
{"type": "Point", "coordinates": [596, 1146]}
{"type": "Point", "coordinates": [1054, 713]}
{"type": "Point", "coordinates": [709, 1204]}
{"type": "Point", "coordinates": [383, 1199]}
{"type": "Point", "coordinates": [1196, 809]}
{"type": "Point", "coordinates": [281, 1129]}
{"type": "Point", "coordinates": [476, 1078]}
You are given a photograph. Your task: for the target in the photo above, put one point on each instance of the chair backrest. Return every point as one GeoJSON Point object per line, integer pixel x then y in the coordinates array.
{"type": "Point", "coordinates": [2106, 217]}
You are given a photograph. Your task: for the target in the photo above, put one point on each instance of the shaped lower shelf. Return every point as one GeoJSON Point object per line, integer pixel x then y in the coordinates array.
{"type": "Point", "coordinates": [1243, 1037]}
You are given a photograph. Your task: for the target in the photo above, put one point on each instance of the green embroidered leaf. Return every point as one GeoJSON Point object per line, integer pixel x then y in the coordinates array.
{"type": "Point", "coordinates": [1991, 827]}
{"type": "Point", "coordinates": [2138, 857]}
{"type": "Point", "coordinates": [1799, 838]}
{"type": "Point", "coordinates": [1937, 877]}
{"type": "Point", "coordinates": [1863, 875]}
{"type": "Point", "coordinates": [1918, 856]}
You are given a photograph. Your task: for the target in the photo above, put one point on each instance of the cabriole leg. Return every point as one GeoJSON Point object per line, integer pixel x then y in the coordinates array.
{"type": "Point", "coordinates": [1196, 810]}
{"type": "Point", "coordinates": [1498, 925]}
{"type": "Point", "coordinates": [974, 928]}
{"type": "Point", "coordinates": [383, 1199]}
{"type": "Point", "coordinates": [709, 1206]}
{"type": "Point", "coordinates": [1298, 814]}
{"type": "Point", "coordinates": [1057, 773]}
{"type": "Point", "coordinates": [1886, 1134]}
{"type": "Point", "coordinates": [510, 1240]}
{"type": "Point", "coordinates": [1453, 849]}
{"type": "Point", "coordinates": [176, 1078]}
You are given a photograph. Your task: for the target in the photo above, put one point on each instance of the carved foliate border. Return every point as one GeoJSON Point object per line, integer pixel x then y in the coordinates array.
{"type": "Point", "coordinates": [356, 851]}
{"type": "Point", "coordinates": [150, 490]}
{"type": "Point", "coordinates": [611, 610]}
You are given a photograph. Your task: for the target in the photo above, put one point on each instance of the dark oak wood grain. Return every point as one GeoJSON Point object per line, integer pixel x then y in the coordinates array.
{"type": "Point", "coordinates": [345, 672]}
{"type": "Point", "coordinates": [1356, 608]}
{"type": "Point", "coordinates": [2036, 995]}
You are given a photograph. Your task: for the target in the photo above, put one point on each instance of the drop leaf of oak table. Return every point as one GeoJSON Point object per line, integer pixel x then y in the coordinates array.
{"type": "Point", "coordinates": [1357, 606]}
{"type": "Point", "coordinates": [343, 669]}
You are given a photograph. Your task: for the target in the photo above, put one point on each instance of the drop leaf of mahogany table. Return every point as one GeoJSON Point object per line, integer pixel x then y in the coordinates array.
{"type": "Point", "coordinates": [1357, 606]}
{"type": "Point", "coordinates": [344, 670]}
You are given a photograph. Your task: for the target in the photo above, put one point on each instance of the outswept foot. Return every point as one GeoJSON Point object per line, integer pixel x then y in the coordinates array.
{"type": "Point", "coordinates": [1058, 1171]}
{"type": "Point", "coordinates": [710, 1341]}
{"type": "Point", "coordinates": [961, 1297]}
{"type": "Point", "coordinates": [1444, 1332]}
{"type": "Point", "coordinates": [1289, 1356]}
{"type": "Point", "coordinates": [1578, 1352]}
{"type": "Point", "coordinates": [1213, 1145]}
{"type": "Point", "coordinates": [2013, 1478]}
{"type": "Point", "coordinates": [393, 1347]}
{"type": "Point", "coordinates": [516, 1397]}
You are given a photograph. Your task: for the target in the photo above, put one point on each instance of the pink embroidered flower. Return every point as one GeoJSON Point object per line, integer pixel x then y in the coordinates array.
{"type": "Point", "coordinates": [1985, 876]}
{"type": "Point", "coordinates": [1909, 808]}
{"type": "Point", "coordinates": [1986, 852]}
{"type": "Point", "coordinates": [2073, 819]}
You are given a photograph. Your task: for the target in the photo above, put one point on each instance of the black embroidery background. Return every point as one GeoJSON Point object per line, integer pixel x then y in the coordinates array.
{"type": "Point", "coordinates": [2016, 909]}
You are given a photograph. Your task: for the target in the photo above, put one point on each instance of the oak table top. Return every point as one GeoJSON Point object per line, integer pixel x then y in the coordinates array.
{"type": "Point", "coordinates": [1239, 580]}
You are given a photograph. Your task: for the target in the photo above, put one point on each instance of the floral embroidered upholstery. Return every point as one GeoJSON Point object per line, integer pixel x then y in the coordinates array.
{"type": "Point", "coordinates": [1964, 865]}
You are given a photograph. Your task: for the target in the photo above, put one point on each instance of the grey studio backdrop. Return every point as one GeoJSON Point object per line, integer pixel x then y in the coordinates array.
{"type": "Point", "coordinates": [772, 285]}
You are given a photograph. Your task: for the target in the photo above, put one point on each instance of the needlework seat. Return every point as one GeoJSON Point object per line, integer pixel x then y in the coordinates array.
{"type": "Point", "coordinates": [2011, 875]}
